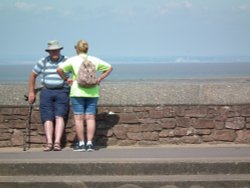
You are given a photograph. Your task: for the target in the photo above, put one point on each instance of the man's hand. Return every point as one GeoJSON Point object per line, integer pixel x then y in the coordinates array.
{"type": "Point", "coordinates": [32, 97]}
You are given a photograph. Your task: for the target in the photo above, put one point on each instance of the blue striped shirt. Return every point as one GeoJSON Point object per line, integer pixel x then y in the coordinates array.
{"type": "Point", "coordinates": [46, 69]}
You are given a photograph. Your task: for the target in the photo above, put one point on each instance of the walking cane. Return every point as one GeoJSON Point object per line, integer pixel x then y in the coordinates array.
{"type": "Point", "coordinates": [27, 128]}
{"type": "Point", "coordinates": [26, 134]}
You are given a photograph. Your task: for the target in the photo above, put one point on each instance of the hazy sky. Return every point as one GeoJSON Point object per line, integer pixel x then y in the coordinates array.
{"type": "Point", "coordinates": [126, 28]}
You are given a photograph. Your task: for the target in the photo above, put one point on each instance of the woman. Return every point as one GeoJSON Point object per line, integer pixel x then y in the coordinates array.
{"type": "Point", "coordinates": [83, 99]}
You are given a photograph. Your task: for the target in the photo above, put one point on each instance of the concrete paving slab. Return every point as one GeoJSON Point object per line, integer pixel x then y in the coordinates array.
{"type": "Point", "coordinates": [115, 154]}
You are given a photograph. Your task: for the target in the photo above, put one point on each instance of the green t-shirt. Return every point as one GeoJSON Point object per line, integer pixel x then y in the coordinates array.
{"type": "Point", "coordinates": [73, 65]}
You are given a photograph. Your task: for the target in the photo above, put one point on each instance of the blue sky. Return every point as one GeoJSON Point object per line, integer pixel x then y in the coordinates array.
{"type": "Point", "coordinates": [116, 28]}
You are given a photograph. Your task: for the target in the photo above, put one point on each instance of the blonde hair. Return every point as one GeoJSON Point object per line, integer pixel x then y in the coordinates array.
{"type": "Point", "coordinates": [82, 46]}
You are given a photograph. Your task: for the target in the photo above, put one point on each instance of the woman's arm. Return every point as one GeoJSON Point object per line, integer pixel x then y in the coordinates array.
{"type": "Point", "coordinates": [104, 75]}
{"type": "Point", "coordinates": [63, 76]}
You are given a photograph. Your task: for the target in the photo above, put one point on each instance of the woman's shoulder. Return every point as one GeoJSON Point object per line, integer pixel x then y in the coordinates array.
{"type": "Point", "coordinates": [73, 59]}
{"type": "Point", "coordinates": [95, 60]}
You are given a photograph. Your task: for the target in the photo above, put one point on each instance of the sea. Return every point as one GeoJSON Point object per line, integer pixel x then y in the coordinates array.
{"type": "Point", "coordinates": [147, 68]}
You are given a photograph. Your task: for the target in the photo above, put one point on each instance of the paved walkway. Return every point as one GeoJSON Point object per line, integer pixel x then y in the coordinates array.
{"type": "Point", "coordinates": [157, 153]}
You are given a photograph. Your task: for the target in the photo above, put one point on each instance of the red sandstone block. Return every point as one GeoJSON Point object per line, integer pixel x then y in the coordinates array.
{"type": "Point", "coordinates": [139, 109]}
{"type": "Point", "coordinates": [183, 121]}
{"type": "Point", "coordinates": [5, 136]}
{"type": "Point", "coordinates": [170, 111]}
{"type": "Point", "coordinates": [181, 131]}
{"type": "Point", "coordinates": [204, 123]}
{"type": "Point", "coordinates": [245, 111]}
{"type": "Point", "coordinates": [219, 125]}
{"type": "Point", "coordinates": [6, 111]}
{"type": "Point", "coordinates": [235, 123]}
{"type": "Point", "coordinates": [4, 126]}
{"type": "Point", "coordinates": [150, 127]}
{"type": "Point", "coordinates": [191, 139]}
{"type": "Point", "coordinates": [224, 135]}
{"type": "Point", "coordinates": [20, 111]}
{"type": "Point", "coordinates": [207, 138]}
{"type": "Point", "coordinates": [203, 131]}
{"type": "Point", "coordinates": [120, 131]}
{"type": "Point", "coordinates": [128, 118]}
{"type": "Point", "coordinates": [156, 114]}
{"type": "Point", "coordinates": [164, 134]}
{"type": "Point", "coordinates": [135, 136]}
{"type": "Point", "coordinates": [243, 137]}
{"type": "Point", "coordinates": [196, 111]}
{"type": "Point", "coordinates": [168, 123]}
{"type": "Point", "coordinates": [152, 136]}
{"type": "Point", "coordinates": [17, 124]}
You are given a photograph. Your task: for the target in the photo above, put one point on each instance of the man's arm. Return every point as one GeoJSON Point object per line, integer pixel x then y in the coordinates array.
{"type": "Point", "coordinates": [32, 83]}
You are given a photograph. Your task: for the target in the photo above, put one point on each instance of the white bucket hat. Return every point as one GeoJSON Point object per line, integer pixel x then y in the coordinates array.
{"type": "Point", "coordinates": [53, 45]}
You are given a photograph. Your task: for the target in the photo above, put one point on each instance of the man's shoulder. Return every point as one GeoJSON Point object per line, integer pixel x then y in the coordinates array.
{"type": "Point", "coordinates": [64, 57]}
{"type": "Point", "coordinates": [42, 61]}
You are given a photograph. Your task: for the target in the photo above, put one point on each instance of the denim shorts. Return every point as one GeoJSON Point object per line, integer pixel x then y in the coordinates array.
{"type": "Point", "coordinates": [84, 105]}
{"type": "Point", "coordinates": [54, 102]}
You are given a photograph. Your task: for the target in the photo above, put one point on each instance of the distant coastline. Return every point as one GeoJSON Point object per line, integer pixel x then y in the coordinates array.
{"type": "Point", "coordinates": [144, 59]}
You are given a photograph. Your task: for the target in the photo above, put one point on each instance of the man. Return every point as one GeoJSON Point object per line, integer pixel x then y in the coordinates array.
{"type": "Point", "coordinates": [54, 96]}
{"type": "Point", "coordinates": [84, 99]}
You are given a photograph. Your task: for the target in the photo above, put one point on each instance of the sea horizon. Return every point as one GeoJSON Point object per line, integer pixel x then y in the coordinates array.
{"type": "Point", "coordinates": [148, 68]}
{"type": "Point", "coordinates": [144, 59]}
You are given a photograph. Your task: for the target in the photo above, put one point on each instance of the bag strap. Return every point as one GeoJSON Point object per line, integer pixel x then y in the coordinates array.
{"type": "Point", "coordinates": [85, 60]}
{"type": "Point", "coordinates": [44, 67]}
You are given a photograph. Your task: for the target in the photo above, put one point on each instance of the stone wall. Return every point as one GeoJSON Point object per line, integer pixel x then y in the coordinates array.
{"type": "Point", "coordinates": [139, 125]}
{"type": "Point", "coordinates": [195, 111]}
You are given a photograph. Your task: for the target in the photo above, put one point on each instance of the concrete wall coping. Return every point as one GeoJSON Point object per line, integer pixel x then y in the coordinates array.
{"type": "Point", "coordinates": [161, 92]}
